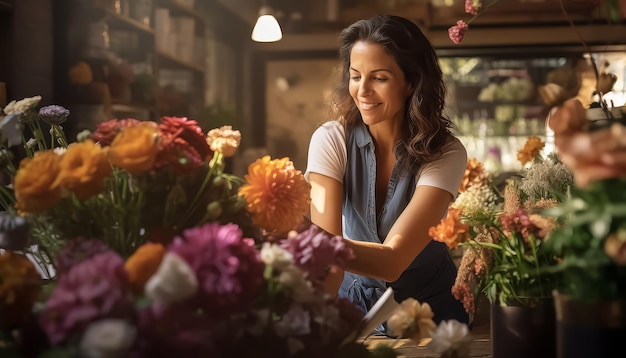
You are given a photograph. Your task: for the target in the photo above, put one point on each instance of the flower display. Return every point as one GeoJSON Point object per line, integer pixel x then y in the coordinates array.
{"type": "Point", "coordinates": [150, 249]}
{"type": "Point", "coordinates": [503, 230]}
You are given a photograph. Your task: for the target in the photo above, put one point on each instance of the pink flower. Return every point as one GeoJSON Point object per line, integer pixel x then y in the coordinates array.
{"type": "Point", "coordinates": [228, 267]}
{"type": "Point", "coordinates": [314, 250]}
{"type": "Point", "coordinates": [77, 251]}
{"type": "Point", "coordinates": [472, 6]}
{"type": "Point", "coordinates": [457, 32]}
{"type": "Point", "coordinates": [176, 331]}
{"type": "Point", "coordinates": [178, 154]}
{"type": "Point", "coordinates": [91, 290]}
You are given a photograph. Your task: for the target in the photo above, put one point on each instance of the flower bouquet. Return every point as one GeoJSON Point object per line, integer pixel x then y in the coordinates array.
{"type": "Point", "coordinates": [151, 249]}
{"type": "Point", "coordinates": [503, 232]}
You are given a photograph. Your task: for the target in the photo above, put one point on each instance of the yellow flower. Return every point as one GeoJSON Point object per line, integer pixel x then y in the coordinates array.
{"type": "Point", "coordinates": [531, 150]}
{"type": "Point", "coordinates": [475, 174]}
{"type": "Point", "coordinates": [413, 320]}
{"type": "Point", "coordinates": [83, 169]}
{"type": "Point", "coordinates": [135, 148]}
{"type": "Point", "coordinates": [20, 284]}
{"type": "Point", "coordinates": [35, 184]}
{"type": "Point", "coordinates": [224, 140]}
{"type": "Point", "coordinates": [278, 196]}
{"type": "Point", "coordinates": [142, 264]}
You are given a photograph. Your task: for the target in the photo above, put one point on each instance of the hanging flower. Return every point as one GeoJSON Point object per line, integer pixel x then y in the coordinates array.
{"type": "Point", "coordinates": [457, 32]}
{"type": "Point", "coordinates": [278, 196]}
{"type": "Point", "coordinates": [134, 149]}
{"type": "Point", "coordinates": [224, 140]}
{"type": "Point", "coordinates": [35, 184]}
{"type": "Point", "coordinates": [83, 168]}
{"type": "Point", "coordinates": [473, 6]}
{"type": "Point", "coordinates": [413, 320]}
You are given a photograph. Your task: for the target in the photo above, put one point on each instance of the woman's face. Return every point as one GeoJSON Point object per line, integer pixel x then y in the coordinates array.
{"type": "Point", "coordinates": [377, 84]}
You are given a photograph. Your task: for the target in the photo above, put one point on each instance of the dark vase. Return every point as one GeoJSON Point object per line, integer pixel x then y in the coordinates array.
{"type": "Point", "coordinates": [523, 332]}
{"type": "Point", "coordinates": [589, 328]}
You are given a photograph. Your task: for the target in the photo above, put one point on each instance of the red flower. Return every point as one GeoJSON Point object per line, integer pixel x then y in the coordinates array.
{"type": "Point", "coordinates": [189, 131]}
{"type": "Point", "coordinates": [106, 131]}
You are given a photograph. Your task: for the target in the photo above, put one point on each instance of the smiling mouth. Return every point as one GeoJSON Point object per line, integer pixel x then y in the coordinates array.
{"type": "Point", "coordinates": [367, 106]}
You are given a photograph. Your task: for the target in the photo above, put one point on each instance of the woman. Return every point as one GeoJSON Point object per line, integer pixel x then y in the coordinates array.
{"type": "Point", "coordinates": [386, 170]}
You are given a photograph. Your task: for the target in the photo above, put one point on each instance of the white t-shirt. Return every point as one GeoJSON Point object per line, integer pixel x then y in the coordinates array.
{"type": "Point", "coordinates": [328, 156]}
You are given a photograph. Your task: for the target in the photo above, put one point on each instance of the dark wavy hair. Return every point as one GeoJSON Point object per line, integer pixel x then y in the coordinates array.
{"type": "Point", "coordinates": [428, 130]}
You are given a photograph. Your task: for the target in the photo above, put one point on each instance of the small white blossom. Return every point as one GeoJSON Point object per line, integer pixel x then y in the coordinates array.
{"type": "Point", "coordinates": [475, 200]}
{"type": "Point", "coordinates": [31, 143]}
{"type": "Point", "coordinates": [59, 150]}
{"type": "Point", "coordinates": [301, 289]}
{"type": "Point", "coordinates": [16, 107]}
{"type": "Point", "coordinates": [108, 338]}
{"type": "Point", "coordinates": [452, 338]}
{"type": "Point", "coordinates": [174, 280]}
{"type": "Point", "coordinates": [275, 256]}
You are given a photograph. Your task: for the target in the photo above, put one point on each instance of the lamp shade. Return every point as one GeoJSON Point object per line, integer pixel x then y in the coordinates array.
{"type": "Point", "coordinates": [267, 28]}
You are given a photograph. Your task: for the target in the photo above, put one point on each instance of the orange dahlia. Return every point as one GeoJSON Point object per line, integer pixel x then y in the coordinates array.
{"type": "Point", "coordinates": [532, 148]}
{"type": "Point", "coordinates": [450, 229]}
{"type": "Point", "coordinates": [278, 196]}
{"type": "Point", "coordinates": [475, 174]}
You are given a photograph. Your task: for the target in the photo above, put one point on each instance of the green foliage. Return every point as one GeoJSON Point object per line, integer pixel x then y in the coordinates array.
{"type": "Point", "coordinates": [589, 217]}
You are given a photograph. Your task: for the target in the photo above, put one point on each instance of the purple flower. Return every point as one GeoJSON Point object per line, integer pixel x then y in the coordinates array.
{"type": "Point", "coordinates": [457, 32]}
{"type": "Point", "coordinates": [228, 267]}
{"type": "Point", "coordinates": [314, 250]}
{"type": "Point", "coordinates": [77, 251]}
{"type": "Point", "coordinates": [54, 114]}
{"type": "Point", "coordinates": [175, 331]}
{"type": "Point", "coordinates": [91, 290]}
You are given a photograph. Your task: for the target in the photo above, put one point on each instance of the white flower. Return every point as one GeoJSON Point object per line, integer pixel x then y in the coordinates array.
{"type": "Point", "coordinates": [224, 140]}
{"type": "Point", "coordinates": [302, 290]}
{"type": "Point", "coordinates": [59, 150]}
{"type": "Point", "coordinates": [412, 319]}
{"type": "Point", "coordinates": [108, 338]}
{"type": "Point", "coordinates": [174, 280]}
{"type": "Point", "coordinates": [31, 143]}
{"type": "Point", "coordinates": [451, 336]}
{"type": "Point", "coordinates": [16, 107]}
{"type": "Point", "coordinates": [276, 256]}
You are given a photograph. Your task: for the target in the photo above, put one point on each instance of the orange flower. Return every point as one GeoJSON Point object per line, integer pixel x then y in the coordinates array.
{"type": "Point", "coordinates": [35, 184]}
{"type": "Point", "coordinates": [135, 149]}
{"type": "Point", "coordinates": [20, 284]}
{"type": "Point", "coordinates": [278, 196]}
{"type": "Point", "coordinates": [143, 264]}
{"type": "Point", "coordinates": [475, 174]}
{"type": "Point", "coordinates": [531, 150]}
{"type": "Point", "coordinates": [83, 169]}
{"type": "Point", "coordinates": [224, 140]}
{"type": "Point", "coordinates": [450, 230]}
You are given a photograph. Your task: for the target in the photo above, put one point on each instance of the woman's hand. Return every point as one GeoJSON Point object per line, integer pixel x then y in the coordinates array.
{"type": "Point", "coordinates": [590, 155]}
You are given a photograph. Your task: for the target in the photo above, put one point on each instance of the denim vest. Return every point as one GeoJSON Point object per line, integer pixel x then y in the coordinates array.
{"type": "Point", "coordinates": [431, 275]}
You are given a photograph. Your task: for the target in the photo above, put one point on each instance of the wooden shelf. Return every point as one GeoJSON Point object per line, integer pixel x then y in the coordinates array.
{"type": "Point", "coordinates": [126, 21]}
{"type": "Point", "coordinates": [180, 9]}
{"type": "Point", "coordinates": [169, 61]}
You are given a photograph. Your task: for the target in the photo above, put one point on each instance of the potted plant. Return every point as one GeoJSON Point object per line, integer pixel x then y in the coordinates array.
{"type": "Point", "coordinates": [502, 230]}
